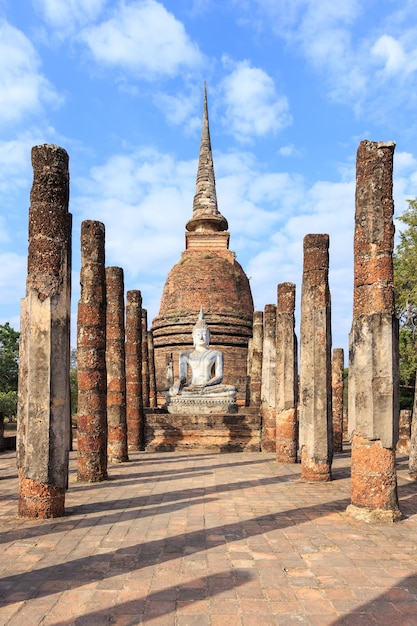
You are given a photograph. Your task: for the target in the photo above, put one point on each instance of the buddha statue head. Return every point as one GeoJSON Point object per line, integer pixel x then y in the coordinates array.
{"type": "Point", "coordinates": [201, 333]}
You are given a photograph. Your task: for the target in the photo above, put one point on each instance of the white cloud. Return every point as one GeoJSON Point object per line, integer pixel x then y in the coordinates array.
{"type": "Point", "coordinates": [180, 109]}
{"type": "Point", "coordinates": [23, 89]}
{"type": "Point", "coordinates": [12, 277]}
{"type": "Point", "coordinates": [253, 106]}
{"type": "Point", "coordinates": [145, 39]}
{"type": "Point", "coordinates": [65, 16]}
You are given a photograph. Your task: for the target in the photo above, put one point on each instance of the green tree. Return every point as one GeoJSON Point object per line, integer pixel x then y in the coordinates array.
{"type": "Point", "coordinates": [9, 358]}
{"type": "Point", "coordinates": [405, 286]}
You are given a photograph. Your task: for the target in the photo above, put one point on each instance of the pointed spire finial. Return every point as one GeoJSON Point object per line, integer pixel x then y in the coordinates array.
{"type": "Point", "coordinates": [206, 216]}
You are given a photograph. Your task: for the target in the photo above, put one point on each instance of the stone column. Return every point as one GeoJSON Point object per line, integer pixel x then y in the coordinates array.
{"type": "Point", "coordinates": [268, 379]}
{"type": "Point", "coordinates": [43, 413]}
{"type": "Point", "coordinates": [286, 394]}
{"type": "Point", "coordinates": [91, 356]}
{"type": "Point", "coordinates": [255, 366]}
{"type": "Point", "coordinates": [316, 440]}
{"type": "Point", "coordinates": [134, 406]}
{"type": "Point", "coordinates": [373, 341]}
{"type": "Point", "coordinates": [404, 434]}
{"type": "Point", "coordinates": [153, 402]}
{"type": "Point", "coordinates": [338, 364]}
{"type": "Point", "coordinates": [412, 461]}
{"type": "Point", "coordinates": [115, 366]}
{"type": "Point", "coordinates": [145, 360]}
{"type": "Point", "coordinates": [2, 445]}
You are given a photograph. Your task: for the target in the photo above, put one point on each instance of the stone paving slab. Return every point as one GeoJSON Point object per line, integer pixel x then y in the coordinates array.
{"type": "Point", "coordinates": [182, 539]}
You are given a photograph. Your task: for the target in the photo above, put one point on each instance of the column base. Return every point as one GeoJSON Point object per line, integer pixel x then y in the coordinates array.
{"type": "Point", "coordinates": [373, 516]}
{"type": "Point", "coordinates": [39, 500]}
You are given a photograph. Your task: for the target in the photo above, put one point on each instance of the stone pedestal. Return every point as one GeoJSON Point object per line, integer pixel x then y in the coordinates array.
{"type": "Point", "coordinates": [203, 406]}
{"type": "Point", "coordinates": [165, 432]}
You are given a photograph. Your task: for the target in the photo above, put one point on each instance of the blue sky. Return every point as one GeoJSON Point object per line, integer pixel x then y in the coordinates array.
{"type": "Point", "coordinates": [293, 87]}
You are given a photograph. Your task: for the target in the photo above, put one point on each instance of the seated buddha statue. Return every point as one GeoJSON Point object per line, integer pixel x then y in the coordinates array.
{"type": "Point", "coordinates": [206, 367]}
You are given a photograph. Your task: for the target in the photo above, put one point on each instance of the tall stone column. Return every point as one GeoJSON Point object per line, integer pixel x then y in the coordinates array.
{"type": "Point", "coordinates": [338, 364]}
{"type": "Point", "coordinates": [145, 360]}
{"type": "Point", "coordinates": [44, 421]}
{"type": "Point", "coordinates": [115, 366]}
{"type": "Point", "coordinates": [316, 440]}
{"type": "Point", "coordinates": [268, 379]}
{"type": "Point", "coordinates": [255, 365]}
{"type": "Point", "coordinates": [286, 394]}
{"type": "Point", "coordinates": [153, 401]}
{"type": "Point", "coordinates": [91, 356]}
{"type": "Point", "coordinates": [134, 405]}
{"type": "Point", "coordinates": [373, 341]}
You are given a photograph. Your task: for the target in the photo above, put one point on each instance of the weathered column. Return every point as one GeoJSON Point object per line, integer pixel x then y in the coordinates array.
{"type": "Point", "coordinates": [412, 461]}
{"type": "Point", "coordinates": [338, 365]}
{"type": "Point", "coordinates": [153, 402]}
{"type": "Point", "coordinates": [268, 379]}
{"type": "Point", "coordinates": [145, 360]}
{"type": "Point", "coordinates": [2, 445]}
{"type": "Point", "coordinates": [115, 366]}
{"type": "Point", "coordinates": [286, 394]}
{"type": "Point", "coordinates": [43, 435]}
{"type": "Point", "coordinates": [404, 432]}
{"type": "Point", "coordinates": [373, 341]}
{"type": "Point", "coordinates": [255, 365]}
{"type": "Point", "coordinates": [316, 440]}
{"type": "Point", "coordinates": [91, 356]}
{"type": "Point", "coordinates": [134, 406]}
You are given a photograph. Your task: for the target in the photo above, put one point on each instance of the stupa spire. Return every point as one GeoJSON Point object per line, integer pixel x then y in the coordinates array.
{"type": "Point", "coordinates": [206, 216]}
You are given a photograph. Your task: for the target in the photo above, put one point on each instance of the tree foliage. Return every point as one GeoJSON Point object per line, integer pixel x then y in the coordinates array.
{"type": "Point", "coordinates": [8, 404]}
{"type": "Point", "coordinates": [9, 358]}
{"type": "Point", "coordinates": [405, 286]}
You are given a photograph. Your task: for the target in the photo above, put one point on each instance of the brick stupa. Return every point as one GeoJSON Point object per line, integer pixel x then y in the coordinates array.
{"type": "Point", "coordinates": [208, 277]}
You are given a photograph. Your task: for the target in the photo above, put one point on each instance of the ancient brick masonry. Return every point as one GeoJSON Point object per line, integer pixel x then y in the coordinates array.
{"type": "Point", "coordinates": [316, 440]}
{"type": "Point", "coordinates": [44, 424]}
{"type": "Point", "coordinates": [115, 366]}
{"type": "Point", "coordinates": [91, 356]}
{"type": "Point", "coordinates": [268, 379]}
{"type": "Point", "coordinates": [373, 341]}
{"type": "Point", "coordinates": [134, 405]}
{"type": "Point", "coordinates": [286, 394]}
{"type": "Point", "coordinates": [337, 398]}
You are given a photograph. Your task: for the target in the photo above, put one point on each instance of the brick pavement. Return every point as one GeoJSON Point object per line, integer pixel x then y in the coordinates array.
{"type": "Point", "coordinates": [176, 539]}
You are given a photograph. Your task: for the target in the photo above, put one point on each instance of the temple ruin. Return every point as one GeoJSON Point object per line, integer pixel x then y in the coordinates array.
{"type": "Point", "coordinates": [211, 374]}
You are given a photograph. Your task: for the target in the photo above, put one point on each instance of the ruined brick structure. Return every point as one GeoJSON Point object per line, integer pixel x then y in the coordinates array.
{"type": "Point", "coordinates": [337, 398]}
{"type": "Point", "coordinates": [115, 366]}
{"type": "Point", "coordinates": [206, 276]}
{"type": "Point", "coordinates": [315, 409]}
{"type": "Point", "coordinates": [373, 341]}
{"type": "Point", "coordinates": [134, 404]}
{"type": "Point", "coordinates": [286, 391]}
{"type": "Point", "coordinates": [44, 420]}
{"type": "Point", "coordinates": [91, 356]}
